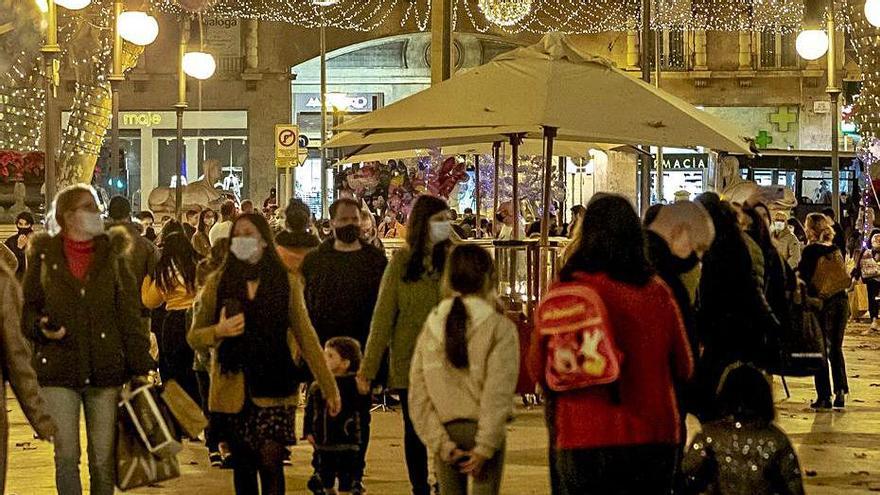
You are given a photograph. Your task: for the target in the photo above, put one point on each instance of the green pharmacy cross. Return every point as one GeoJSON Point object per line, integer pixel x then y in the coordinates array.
{"type": "Point", "coordinates": [783, 118]}
{"type": "Point", "coordinates": [763, 140]}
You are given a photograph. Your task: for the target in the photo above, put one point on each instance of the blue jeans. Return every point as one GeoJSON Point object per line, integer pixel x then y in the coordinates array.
{"type": "Point", "coordinates": [99, 404]}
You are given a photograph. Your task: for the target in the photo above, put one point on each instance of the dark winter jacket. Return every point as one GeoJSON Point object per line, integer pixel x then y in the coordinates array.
{"type": "Point", "coordinates": [142, 257]}
{"type": "Point", "coordinates": [342, 432]}
{"type": "Point", "coordinates": [105, 343]}
{"type": "Point", "coordinates": [670, 269]}
{"type": "Point", "coordinates": [341, 289]}
{"type": "Point", "coordinates": [731, 458]}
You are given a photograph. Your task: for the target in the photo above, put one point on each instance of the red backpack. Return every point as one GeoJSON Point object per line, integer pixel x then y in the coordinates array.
{"type": "Point", "coordinates": [573, 324]}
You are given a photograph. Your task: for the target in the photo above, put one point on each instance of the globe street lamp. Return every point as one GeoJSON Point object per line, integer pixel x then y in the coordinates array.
{"type": "Point", "coordinates": [199, 65]}
{"type": "Point", "coordinates": [872, 12]}
{"type": "Point", "coordinates": [73, 4]}
{"type": "Point", "coordinates": [137, 27]}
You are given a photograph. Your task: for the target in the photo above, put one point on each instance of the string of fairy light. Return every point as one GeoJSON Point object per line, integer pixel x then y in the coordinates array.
{"type": "Point", "coordinates": [520, 16]}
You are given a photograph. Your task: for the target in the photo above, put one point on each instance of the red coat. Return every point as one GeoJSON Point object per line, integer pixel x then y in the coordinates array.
{"type": "Point", "coordinates": [648, 330]}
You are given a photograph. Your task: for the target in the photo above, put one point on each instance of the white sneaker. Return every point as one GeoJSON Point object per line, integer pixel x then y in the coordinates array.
{"type": "Point", "coordinates": [875, 324]}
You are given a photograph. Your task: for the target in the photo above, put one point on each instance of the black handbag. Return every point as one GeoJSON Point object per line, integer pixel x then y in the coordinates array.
{"type": "Point", "coordinates": [801, 344]}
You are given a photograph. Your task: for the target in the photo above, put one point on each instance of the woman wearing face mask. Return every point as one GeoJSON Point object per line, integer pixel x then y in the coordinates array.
{"type": "Point", "coordinates": [82, 314]}
{"type": "Point", "coordinates": [409, 291]}
{"type": "Point", "coordinates": [253, 375]}
{"type": "Point", "coordinates": [200, 240]}
{"type": "Point", "coordinates": [784, 239]}
{"type": "Point", "coordinates": [390, 228]}
{"type": "Point", "coordinates": [869, 277]}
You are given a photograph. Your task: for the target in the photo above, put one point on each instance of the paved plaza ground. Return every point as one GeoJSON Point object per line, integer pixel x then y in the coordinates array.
{"type": "Point", "coordinates": [840, 452]}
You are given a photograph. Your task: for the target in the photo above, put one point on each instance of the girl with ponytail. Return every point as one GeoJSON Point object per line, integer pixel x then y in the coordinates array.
{"type": "Point", "coordinates": [463, 376]}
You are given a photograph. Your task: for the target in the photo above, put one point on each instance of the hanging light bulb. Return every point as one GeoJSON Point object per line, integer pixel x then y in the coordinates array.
{"type": "Point", "coordinates": [872, 12]}
{"type": "Point", "coordinates": [136, 27]}
{"type": "Point", "coordinates": [811, 44]}
{"type": "Point", "coordinates": [73, 4]}
{"type": "Point", "coordinates": [199, 65]}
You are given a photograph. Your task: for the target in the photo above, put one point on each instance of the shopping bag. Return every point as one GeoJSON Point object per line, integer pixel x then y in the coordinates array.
{"type": "Point", "coordinates": [187, 414]}
{"type": "Point", "coordinates": [869, 267]}
{"type": "Point", "coordinates": [151, 419]}
{"type": "Point", "coordinates": [858, 300]}
{"type": "Point", "coordinates": [831, 277]}
{"type": "Point", "coordinates": [135, 465]}
{"type": "Point", "coordinates": [801, 344]}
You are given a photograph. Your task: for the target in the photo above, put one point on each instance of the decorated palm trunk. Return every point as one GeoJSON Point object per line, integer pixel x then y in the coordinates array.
{"type": "Point", "coordinates": [90, 118]}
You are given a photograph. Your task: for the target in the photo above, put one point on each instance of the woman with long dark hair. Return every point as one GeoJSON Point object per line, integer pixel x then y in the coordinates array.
{"type": "Point", "coordinates": [409, 291]}
{"type": "Point", "coordinates": [200, 240]}
{"type": "Point", "coordinates": [252, 315]}
{"type": "Point", "coordinates": [173, 284]}
{"type": "Point", "coordinates": [601, 432]}
{"type": "Point", "coordinates": [82, 315]}
{"type": "Point", "coordinates": [463, 377]}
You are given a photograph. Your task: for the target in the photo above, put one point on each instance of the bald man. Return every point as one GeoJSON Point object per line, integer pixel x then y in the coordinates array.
{"type": "Point", "coordinates": [676, 239]}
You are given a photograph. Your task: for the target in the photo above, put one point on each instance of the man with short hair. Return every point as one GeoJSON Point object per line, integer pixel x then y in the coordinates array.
{"type": "Point", "coordinates": [342, 279]}
{"type": "Point", "coordinates": [18, 242]}
{"type": "Point", "coordinates": [143, 256]}
{"type": "Point", "coordinates": [247, 207]}
{"type": "Point", "coordinates": [192, 222]}
{"type": "Point", "coordinates": [223, 228]}
{"type": "Point", "coordinates": [146, 219]}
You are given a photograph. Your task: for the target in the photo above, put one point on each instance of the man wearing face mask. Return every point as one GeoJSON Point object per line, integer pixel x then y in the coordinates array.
{"type": "Point", "coordinates": [676, 240]}
{"type": "Point", "coordinates": [784, 239]}
{"type": "Point", "coordinates": [342, 279]}
{"type": "Point", "coordinates": [18, 243]}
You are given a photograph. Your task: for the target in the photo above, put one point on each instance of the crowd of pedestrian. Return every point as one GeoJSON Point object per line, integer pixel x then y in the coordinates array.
{"type": "Point", "coordinates": [648, 320]}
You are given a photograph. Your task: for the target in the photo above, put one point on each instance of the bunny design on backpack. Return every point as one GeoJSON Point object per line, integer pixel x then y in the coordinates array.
{"type": "Point", "coordinates": [579, 340]}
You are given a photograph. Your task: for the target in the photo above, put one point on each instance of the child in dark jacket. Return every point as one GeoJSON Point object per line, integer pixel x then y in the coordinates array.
{"type": "Point", "coordinates": [337, 440]}
{"type": "Point", "coordinates": [744, 451]}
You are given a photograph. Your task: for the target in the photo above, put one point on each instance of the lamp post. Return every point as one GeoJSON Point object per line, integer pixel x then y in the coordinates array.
{"type": "Point", "coordinates": [50, 53]}
{"type": "Point", "coordinates": [140, 29]}
{"type": "Point", "coordinates": [199, 65]}
{"type": "Point", "coordinates": [179, 108]}
{"type": "Point", "coordinates": [811, 44]}
{"type": "Point", "coordinates": [116, 78]}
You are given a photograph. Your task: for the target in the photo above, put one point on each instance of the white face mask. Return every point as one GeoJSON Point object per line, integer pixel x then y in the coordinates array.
{"type": "Point", "coordinates": [89, 222]}
{"type": "Point", "coordinates": [440, 231]}
{"type": "Point", "coordinates": [246, 249]}
{"type": "Point", "coordinates": [779, 226]}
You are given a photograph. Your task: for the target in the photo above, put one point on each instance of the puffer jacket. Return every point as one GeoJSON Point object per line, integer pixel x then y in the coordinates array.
{"type": "Point", "coordinates": [105, 343]}
{"type": "Point", "coordinates": [483, 392]}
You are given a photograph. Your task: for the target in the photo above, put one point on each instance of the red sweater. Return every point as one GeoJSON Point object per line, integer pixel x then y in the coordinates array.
{"type": "Point", "coordinates": [648, 330]}
{"type": "Point", "coordinates": [79, 256]}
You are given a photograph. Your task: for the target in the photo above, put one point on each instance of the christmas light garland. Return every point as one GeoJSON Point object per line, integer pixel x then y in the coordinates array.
{"type": "Point", "coordinates": [521, 16]}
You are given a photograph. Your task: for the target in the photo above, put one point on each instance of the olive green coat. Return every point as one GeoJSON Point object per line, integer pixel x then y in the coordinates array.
{"type": "Point", "coordinates": [400, 314]}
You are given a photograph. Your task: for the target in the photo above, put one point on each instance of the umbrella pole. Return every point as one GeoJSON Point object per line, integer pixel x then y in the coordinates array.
{"type": "Point", "coordinates": [496, 157]}
{"type": "Point", "coordinates": [549, 135]}
{"type": "Point", "coordinates": [477, 196]}
{"type": "Point", "coordinates": [515, 140]}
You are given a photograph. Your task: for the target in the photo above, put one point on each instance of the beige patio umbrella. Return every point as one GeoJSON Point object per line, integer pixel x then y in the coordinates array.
{"type": "Point", "coordinates": [550, 89]}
